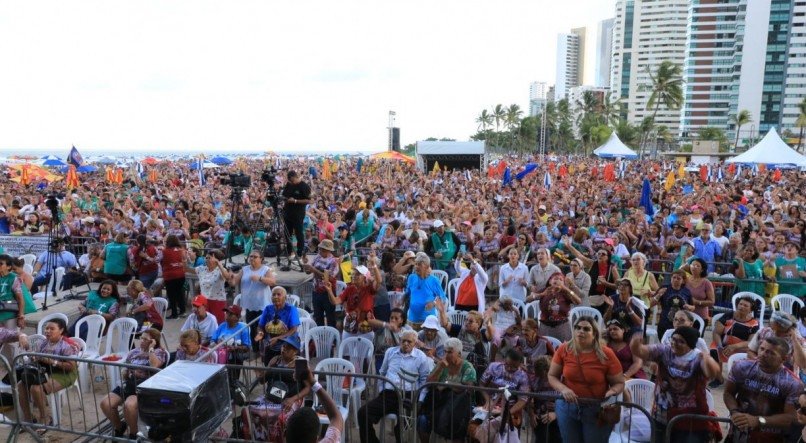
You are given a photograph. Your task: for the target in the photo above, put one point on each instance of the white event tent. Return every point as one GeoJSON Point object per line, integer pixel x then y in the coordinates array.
{"type": "Point", "coordinates": [614, 148]}
{"type": "Point", "coordinates": [771, 150]}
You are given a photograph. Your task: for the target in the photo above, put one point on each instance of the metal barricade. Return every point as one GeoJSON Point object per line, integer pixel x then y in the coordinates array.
{"type": "Point", "coordinates": [82, 416]}
{"type": "Point", "coordinates": [8, 422]}
{"type": "Point", "coordinates": [487, 421]}
{"type": "Point", "coordinates": [696, 417]}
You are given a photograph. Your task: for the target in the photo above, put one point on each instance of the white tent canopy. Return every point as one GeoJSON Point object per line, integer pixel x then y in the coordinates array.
{"type": "Point", "coordinates": [771, 150]}
{"type": "Point", "coordinates": [614, 148]}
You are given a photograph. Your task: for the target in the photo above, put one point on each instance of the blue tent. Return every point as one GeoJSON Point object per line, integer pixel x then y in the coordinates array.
{"type": "Point", "coordinates": [87, 168]}
{"type": "Point", "coordinates": [221, 160]}
{"type": "Point", "coordinates": [53, 162]}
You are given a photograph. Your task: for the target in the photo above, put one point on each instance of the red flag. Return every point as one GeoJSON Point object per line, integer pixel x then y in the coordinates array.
{"type": "Point", "coordinates": [490, 171]}
{"type": "Point", "coordinates": [563, 171]}
{"type": "Point", "coordinates": [776, 175]}
{"type": "Point", "coordinates": [732, 169]}
{"type": "Point", "coordinates": [551, 167]}
{"type": "Point", "coordinates": [609, 173]}
{"type": "Point", "coordinates": [502, 166]}
{"type": "Point", "coordinates": [594, 171]}
{"type": "Point", "coordinates": [704, 173]}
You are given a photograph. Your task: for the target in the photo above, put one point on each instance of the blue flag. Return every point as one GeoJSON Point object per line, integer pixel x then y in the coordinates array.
{"type": "Point", "coordinates": [202, 180]}
{"type": "Point", "coordinates": [547, 181]}
{"type": "Point", "coordinates": [507, 177]}
{"type": "Point", "coordinates": [646, 199]}
{"type": "Point", "coordinates": [75, 158]}
{"type": "Point", "coordinates": [359, 165]}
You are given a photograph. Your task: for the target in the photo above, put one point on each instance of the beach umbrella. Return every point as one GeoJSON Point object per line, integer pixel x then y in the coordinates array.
{"type": "Point", "coordinates": [391, 155]}
{"type": "Point", "coordinates": [72, 177]}
{"type": "Point", "coordinates": [87, 168]}
{"type": "Point", "coordinates": [529, 168]}
{"type": "Point", "coordinates": [150, 161]}
{"type": "Point", "coordinates": [221, 160]}
{"type": "Point", "coordinates": [646, 199]}
{"type": "Point", "coordinates": [53, 162]}
{"type": "Point", "coordinates": [50, 157]}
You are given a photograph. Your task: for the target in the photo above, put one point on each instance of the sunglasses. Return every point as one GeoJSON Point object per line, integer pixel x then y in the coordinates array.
{"type": "Point", "coordinates": [583, 328]}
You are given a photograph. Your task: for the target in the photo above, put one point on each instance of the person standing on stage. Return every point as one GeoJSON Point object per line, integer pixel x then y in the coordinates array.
{"type": "Point", "coordinates": [298, 195]}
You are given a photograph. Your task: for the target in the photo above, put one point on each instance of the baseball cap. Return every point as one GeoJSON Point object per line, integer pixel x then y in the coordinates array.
{"type": "Point", "coordinates": [543, 207]}
{"type": "Point", "coordinates": [362, 205]}
{"type": "Point", "coordinates": [292, 340]}
{"type": "Point", "coordinates": [233, 309]}
{"type": "Point", "coordinates": [408, 254]}
{"type": "Point", "coordinates": [467, 223]}
{"type": "Point", "coordinates": [438, 223]}
{"type": "Point", "coordinates": [363, 270]}
{"type": "Point", "coordinates": [199, 300]}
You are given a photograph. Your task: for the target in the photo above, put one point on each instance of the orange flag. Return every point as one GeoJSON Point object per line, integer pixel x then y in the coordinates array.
{"type": "Point", "coordinates": [762, 168]}
{"type": "Point", "coordinates": [609, 173]}
{"type": "Point", "coordinates": [119, 176]}
{"type": "Point", "coordinates": [732, 169]}
{"type": "Point", "coordinates": [72, 178]}
{"type": "Point", "coordinates": [594, 172]}
{"type": "Point", "coordinates": [152, 175]}
{"type": "Point", "coordinates": [109, 175]}
{"type": "Point", "coordinates": [703, 173]}
{"type": "Point", "coordinates": [776, 175]}
{"type": "Point", "coordinates": [563, 171]}
{"type": "Point", "coordinates": [25, 175]}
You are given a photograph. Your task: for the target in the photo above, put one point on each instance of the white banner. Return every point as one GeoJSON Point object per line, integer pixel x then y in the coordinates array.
{"type": "Point", "coordinates": [16, 245]}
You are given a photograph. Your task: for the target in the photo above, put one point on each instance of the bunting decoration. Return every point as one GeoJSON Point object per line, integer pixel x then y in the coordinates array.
{"type": "Point", "coordinates": [72, 178]}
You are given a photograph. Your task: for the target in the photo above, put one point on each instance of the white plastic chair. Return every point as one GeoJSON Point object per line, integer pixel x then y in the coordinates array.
{"type": "Point", "coordinates": [58, 275]}
{"type": "Point", "coordinates": [28, 269]}
{"type": "Point", "coordinates": [303, 313]}
{"type": "Point", "coordinates": [585, 311]}
{"type": "Point", "coordinates": [521, 306]}
{"type": "Point", "coordinates": [237, 302]}
{"type": "Point", "coordinates": [699, 323]}
{"type": "Point", "coordinates": [360, 352]}
{"type": "Point", "coordinates": [57, 398]}
{"type": "Point", "coordinates": [335, 386]}
{"type": "Point", "coordinates": [40, 327]}
{"type": "Point", "coordinates": [161, 305]}
{"type": "Point", "coordinates": [305, 325]}
{"type": "Point", "coordinates": [293, 300]}
{"type": "Point", "coordinates": [555, 342]}
{"type": "Point", "coordinates": [644, 310]}
{"type": "Point", "coordinates": [642, 394]}
{"type": "Point", "coordinates": [756, 297]}
{"type": "Point", "coordinates": [457, 317]}
{"type": "Point", "coordinates": [734, 358]}
{"type": "Point", "coordinates": [714, 320]}
{"type": "Point", "coordinates": [326, 340]}
{"type": "Point", "coordinates": [92, 348]}
{"type": "Point", "coordinates": [532, 310]}
{"type": "Point", "coordinates": [453, 289]}
{"type": "Point", "coordinates": [784, 303]}
{"type": "Point", "coordinates": [119, 340]}
{"type": "Point", "coordinates": [29, 259]}
{"type": "Point", "coordinates": [442, 276]}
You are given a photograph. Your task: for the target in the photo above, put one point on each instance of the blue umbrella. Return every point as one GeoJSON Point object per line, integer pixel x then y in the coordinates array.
{"type": "Point", "coordinates": [87, 168]}
{"type": "Point", "coordinates": [220, 160]}
{"type": "Point", "coordinates": [526, 170]}
{"type": "Point", "coordinates": [53, 162]}
{"type": "Point", "coordinates": [646, 199]}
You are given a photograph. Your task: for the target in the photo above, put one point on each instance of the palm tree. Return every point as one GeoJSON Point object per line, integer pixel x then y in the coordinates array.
{"type": "Point", "coordinates": [484, 120]}
{"type": "Point", "coordinates": [666, 87]}
{"type": "Point", "coordinates": [740, 119]}
{"type": "Point", "coordinates": [801, 122]}
{"type": "Point", "coordinates": [627, 133]}
{"type": "Point", "coordinates": [611, 110]}
{"type": "Point", "coordinates": [513, 116]}
{"type": "Point", "coordinates": [499, 114]}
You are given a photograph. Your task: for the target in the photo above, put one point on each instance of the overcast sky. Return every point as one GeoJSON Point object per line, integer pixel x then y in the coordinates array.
{"type": "Point", "coordinates": [268, 75]}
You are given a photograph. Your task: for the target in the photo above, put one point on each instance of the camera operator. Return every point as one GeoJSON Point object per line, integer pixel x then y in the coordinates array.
{"type": "Point", "coordinates": [298, 195]}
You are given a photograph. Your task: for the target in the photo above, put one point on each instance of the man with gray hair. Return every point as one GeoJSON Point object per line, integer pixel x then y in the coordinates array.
{"type": "Point", "coordinates": [406, 368]}
{"type": "Point", "coordinates": [423, 291]}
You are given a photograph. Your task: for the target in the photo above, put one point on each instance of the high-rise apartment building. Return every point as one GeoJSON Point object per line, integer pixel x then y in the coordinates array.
{"type": "Point", "coordinates": [583, 57]}
{"type": "Point", "coordinates": [538, 97]}
{"type": "Point", "coordinates": [646, 33]}
{"type": "Point", "coordinates": [604, 52]}
{"type": "Point", "coordinates": [568, 64]}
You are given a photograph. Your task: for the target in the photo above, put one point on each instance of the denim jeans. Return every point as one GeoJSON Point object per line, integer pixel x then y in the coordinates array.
{"type": "Point", "coordinates": [578, 423]}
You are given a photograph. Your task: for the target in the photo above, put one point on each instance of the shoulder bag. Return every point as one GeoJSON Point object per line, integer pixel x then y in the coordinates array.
{"type": "Point", "coordinates": [608, 415]}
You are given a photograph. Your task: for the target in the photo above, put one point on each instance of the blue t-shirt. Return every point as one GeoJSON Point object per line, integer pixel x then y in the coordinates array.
{"type": "Point", "coordinates": [224, 332]}
{"type": "Point", "coordinates": [287, 318]}
{"type": "Point", "coordinates": [422, 291]}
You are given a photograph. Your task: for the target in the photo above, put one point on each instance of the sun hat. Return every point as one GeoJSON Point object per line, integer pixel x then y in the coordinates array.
{"type": "Point", "coordinates": [327, 245]}
{"type": "Point", "coordinates": [430, 322]}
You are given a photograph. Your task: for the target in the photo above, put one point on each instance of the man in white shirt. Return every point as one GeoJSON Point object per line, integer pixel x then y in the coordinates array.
{"type": "Point", "coordinates": [201, 320]}
{"type": "Point", "coordinates": [407, 368]}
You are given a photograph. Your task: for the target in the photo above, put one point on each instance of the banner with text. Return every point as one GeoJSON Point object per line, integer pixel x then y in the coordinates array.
{"type": "Point", "coordinates": [16, 245]}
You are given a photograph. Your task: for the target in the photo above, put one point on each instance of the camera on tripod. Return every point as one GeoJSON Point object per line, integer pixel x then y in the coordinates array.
{"type": "Point", "coordinates": [269, 176]}
{"type": "Point", "coordinates": [239, 180]}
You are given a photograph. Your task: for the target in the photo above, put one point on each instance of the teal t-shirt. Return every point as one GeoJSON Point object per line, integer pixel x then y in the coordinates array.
{"type": "Point", "coordinates": [789, 271]}
{"type": "Point", "coordinates": [98, 303]}
{"type": "Point", "coordinates": [116, 258]}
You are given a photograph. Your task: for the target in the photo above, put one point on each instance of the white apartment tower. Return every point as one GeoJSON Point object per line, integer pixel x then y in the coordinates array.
{"type": "Point", "coordinates": [604, 52]}
{"type": "Point", "coordinates": [538, 97]}
{"type": "Point", "coordinates": [568, 63]}
{"type": "Point", "coordinates": [646, 33]}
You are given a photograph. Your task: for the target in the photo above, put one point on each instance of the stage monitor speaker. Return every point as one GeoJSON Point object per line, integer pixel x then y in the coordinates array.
{"type": "Point", "coordinates": [396, 139]}
{"type": "Point", "coordinates": [187, 401]}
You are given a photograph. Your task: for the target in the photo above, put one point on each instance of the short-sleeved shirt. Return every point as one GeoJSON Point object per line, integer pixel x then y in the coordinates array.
{"type": "Point", "coordinates": [139, 357]}
{"type": "Point", "coordinates": [681, 384]}
{"type": "Point", "coordinates": [211, 283]}
{"type": "Point", "coordinates": [422, 291]}
{"type": "Point", "coordinates": [238, 332]}
{"type": "Point", "coordinates": [789, 271]}
{"type": "Point", "coordinates": [466, 374]}
{"type": "Point", "coordinates": [277, 322]}
{"type": "Point", "coordinates": [739, 330]}
{"type": "Point", "coordinates": [761, 394]}
{"type": "Point", "coordinates": [323, 264]}
{"type": "Point", "coordinates": [584, 373]}
{"type": "Point", "coordinates": [497, 376]}
{"type": "Point", "coordinates": [206, 327]}
{"type": "Point", "coordinates": [621, 312]}
{"type": "Point", "coordinates": [531, 352]}
{"type": "Point", "coordinates": [672, 301]}
{"type": "Point", "coordinates": [766, 332]}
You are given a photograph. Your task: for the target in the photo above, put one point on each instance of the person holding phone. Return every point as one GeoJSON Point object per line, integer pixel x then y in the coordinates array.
{"type": "Point", "coordinates": [472, 282]}
{"type": "Point", "coordinates": [303, 426]}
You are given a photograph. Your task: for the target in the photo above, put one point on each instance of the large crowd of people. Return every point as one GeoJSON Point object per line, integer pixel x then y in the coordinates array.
{"type": "Point", "coordinates": [454, 277]}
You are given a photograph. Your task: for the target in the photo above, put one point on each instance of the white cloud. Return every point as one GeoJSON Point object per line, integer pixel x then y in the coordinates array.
{"type": "Point", "coordinates": [268, 75]}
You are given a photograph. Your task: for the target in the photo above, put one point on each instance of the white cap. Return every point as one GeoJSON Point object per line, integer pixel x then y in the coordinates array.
{"type": "Point", "coordinates": [2, 209]}
{"type": "Point", "coordinates": [543, 207]}
{"type": "Point", "coordinates": [363, 270]}
{"type": "Point", "coordinates": [431, 322]}
{"type": "Point", "coordinates": [438, 223]}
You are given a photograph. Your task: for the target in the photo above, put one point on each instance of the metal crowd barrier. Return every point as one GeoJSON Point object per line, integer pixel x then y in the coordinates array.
{"type": "Point", "coordinates": [708, 418]}
{"type": "Point", "coordinates": [82, 416]}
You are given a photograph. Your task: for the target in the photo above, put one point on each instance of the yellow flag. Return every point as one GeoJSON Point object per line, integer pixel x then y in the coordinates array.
{"type": "Point", "coordinates": [436, 167]}
{"type": "Point", "coordinates": [681, 172]}
{"type": "Point", "coordinates": [669, 181]}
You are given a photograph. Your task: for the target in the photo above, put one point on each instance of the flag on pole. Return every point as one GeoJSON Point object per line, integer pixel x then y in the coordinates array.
{"type": "Point", "coordinates": [622, 169]}
{"type": "Point", "coordinates": [738, 172]}
{"type": "Point", "coordinates": [202, 181]}
{"type": "Point", "coordinates": [719, 174]}
{"type": "Point", "coordinates": [139, 167]}
{"type": "Point", "coordinates": [435, 169]}
{"type": "Point", "coordinates": [681, 172]}
{"type": "Point", "coordinates": [119, 176]}
{"type": "Point", "coordinates": [547, 181]}
{"type": "Point", "coordinates": [74, 158]}
{"type": "Point", "coordinates": [507, 177]}
{"type": "Point", "coordinates": [72, 178]}
{"type": "Point", "coordinates": [25, 175]}
{"type": "Point", "coordinates": [669, 181]}
{"type": "Point", "coordinates": [646, 199]}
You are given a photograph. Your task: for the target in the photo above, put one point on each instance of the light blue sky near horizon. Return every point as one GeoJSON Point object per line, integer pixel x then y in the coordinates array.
{"type": "Point", "coordinates": [312, 76]}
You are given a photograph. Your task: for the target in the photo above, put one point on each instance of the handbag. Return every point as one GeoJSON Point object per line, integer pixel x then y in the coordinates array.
{"type": "Point", "coordinates": [32, 374]}
{"type": "Point", "coordinates": [9, 306]}
{"type": "Point", "coordinates": [608, 415]}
